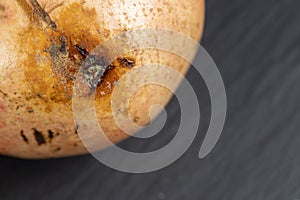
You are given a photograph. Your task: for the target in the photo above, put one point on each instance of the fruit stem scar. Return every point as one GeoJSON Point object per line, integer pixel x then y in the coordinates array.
{"type": "Point", "coordinates": [43, 14]}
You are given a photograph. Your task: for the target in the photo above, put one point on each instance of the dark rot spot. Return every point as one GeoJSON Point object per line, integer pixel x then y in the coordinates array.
{"type": "Point", "coordinates": [3, 93]}
{"type": "Point", "coordinates": [50, 135]}
{"type": "Point", "coordinates": [127, 62]}
{"type": "Point", "coordinates": [82, 51]}
{"type": "Point", "coordinates": [39, 137]}
{"type": "Point", "coordinates": [25, 139]}
{"type": "Point", "coordinates": [136, 119]}
{"type": "Point", "coordinates": [76, 128]}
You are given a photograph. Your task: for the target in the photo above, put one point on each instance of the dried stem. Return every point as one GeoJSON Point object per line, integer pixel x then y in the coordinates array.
{"type": "Point", "coordinates": [34, 9]}
{"type": "Point", "coordinates": [43, 14]}
{"type": "Point", "coordinates": [28, 10]}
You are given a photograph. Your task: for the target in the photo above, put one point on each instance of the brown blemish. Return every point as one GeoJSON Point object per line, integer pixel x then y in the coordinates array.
{"type": "Point", "coordinates": [50, 135]}
{"type": "Point", "coordinates": [54, 60]}
{"type": "Point", "coordinates": [136, 119]}
{"type": "Point", "coordinates": [38, 137]}
{"type": "Point", "coordinates": [25, 139]}
{"type": "Point", "coordinates": [57, 149]}
{"type": "Point", "coordinates": [48, 109]}
{"type": "Point", "coordinates": [127, 62]}
{"type": "Point", "coordinates": [118, 68]}
{"type": "Point", "coordinates": [76, 129]}
{"type": "Point", "coordinates": [3, 93]}
{"type": "Point", "coordinates": [54, 57]}
{"type": "Point", "coordinates": [84, 53]}
{"type": "Point", "coordinates": [30, 110]}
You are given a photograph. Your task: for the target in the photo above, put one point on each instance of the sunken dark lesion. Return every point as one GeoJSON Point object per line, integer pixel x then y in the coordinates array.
{"type": "Point", "coordinates": [82, 50]}
{"type": "Point", "coordinates": [40, 139]}
{"type": "Point", "coordinates": [76, 129]}
{"type": "Point", "coordinates": [50, 135]}
{"type": "Point", "coordinates": [3, 94]}
{"type": "Point", "coordinates": [24, 137]}
{"type": "Point", "coordinates": [128, 62]}
{"type": "Point", "coordinates": [64, 62]}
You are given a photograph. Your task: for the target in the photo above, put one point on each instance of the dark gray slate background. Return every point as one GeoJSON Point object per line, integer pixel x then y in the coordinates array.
{"type": "Point", "coordinates": [256, 45]}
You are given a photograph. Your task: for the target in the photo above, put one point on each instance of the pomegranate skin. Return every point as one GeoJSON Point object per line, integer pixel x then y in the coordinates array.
{"type": "Point", "coordinates": [41, 54]}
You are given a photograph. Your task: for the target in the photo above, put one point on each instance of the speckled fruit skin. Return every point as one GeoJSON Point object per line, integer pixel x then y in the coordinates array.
{"type": "Point", "coordinates": [36, 119]}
